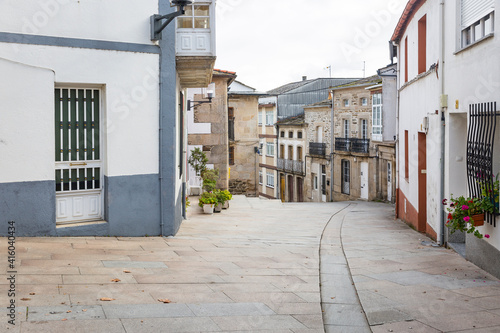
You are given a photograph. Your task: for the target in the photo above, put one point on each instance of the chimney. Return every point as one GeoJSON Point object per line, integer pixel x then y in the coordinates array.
{"type": "Point", "coordinates": [304, 78]}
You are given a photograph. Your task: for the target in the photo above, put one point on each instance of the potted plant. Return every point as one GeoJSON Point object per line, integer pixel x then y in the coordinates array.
{"type": "Point", "coordinates": [490, 191]}
{"type": "Point", "coordinates": [208, 200]}
{"type": "Point", "coordinates": [210, 177]}
{"type": "Point", "coordinates": [226, 196]}
{"type": "Point", "coordinates": [198, 160]}
{"type": "Point", "coordinates": [465, 214]}
{"type": "Point", "coordinates": [220, 201]}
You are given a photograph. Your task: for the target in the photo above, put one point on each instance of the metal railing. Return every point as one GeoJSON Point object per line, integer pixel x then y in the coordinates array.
{"type": "Point", "coordinates": [354, 145]}
{"type": "Point", "coordinates": [291, 166]}
{"type": "Point", "coordinates": [317, 148]}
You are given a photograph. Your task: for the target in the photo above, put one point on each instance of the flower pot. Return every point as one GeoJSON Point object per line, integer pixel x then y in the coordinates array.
{"type": "Point", "coordinates": [477, 220]}
{"type": "Point", "coordinates": [218, 208]}
{"type": "Point", "coordinates": [208, 209]}
{"type": "Point", "coordinates": [225, 205]}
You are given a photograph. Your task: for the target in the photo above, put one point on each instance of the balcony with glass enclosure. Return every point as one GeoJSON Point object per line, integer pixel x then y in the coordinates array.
{"type": "Point", "coordinates": [195, 44]}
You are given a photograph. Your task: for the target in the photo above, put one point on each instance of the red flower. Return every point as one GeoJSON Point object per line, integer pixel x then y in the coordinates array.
{"type": "Point", "coordinates": [444, 201]}
{"type": "Point", "coordinates": [487, 236]}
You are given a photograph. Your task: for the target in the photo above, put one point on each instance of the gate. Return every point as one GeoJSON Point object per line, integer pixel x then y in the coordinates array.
{"type": "Point", "coordinates": [78, 167]}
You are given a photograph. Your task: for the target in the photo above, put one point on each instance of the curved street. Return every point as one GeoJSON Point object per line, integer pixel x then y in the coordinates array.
{"type": "Point", "coordinates": [260, 266]}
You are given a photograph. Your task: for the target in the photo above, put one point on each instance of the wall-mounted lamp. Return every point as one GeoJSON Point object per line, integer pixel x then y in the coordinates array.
{"type": "Point", "coordinates": [192, 104]}
{"type": "Point", "coordinates": [156, 20]}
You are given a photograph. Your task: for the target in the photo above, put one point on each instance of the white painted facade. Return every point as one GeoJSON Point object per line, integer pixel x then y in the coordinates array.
{"type": "Point", "coordinates": [463, 76]}
{"type": "Point", "coordinates": [104, 45]}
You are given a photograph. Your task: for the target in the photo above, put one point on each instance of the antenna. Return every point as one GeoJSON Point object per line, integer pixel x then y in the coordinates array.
{"type": "Point", "coordinates": [330, 69]}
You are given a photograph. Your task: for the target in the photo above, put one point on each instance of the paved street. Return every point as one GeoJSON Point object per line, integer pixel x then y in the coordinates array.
{"type": "Point", "coordinates": [254, 267]}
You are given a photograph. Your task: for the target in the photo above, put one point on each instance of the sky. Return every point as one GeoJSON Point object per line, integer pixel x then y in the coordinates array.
{"type": "Point", "coordinates": [269, 43]}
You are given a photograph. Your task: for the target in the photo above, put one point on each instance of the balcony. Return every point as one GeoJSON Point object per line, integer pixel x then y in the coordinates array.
{"type": "Point", "coordinates": [291, 166]}
{"type": "Point", "coordinates": [317, 148]}
{"type": "Point", "coordinates": [353, 145]}
{"type": "Point", "coordinates": [195, 44]}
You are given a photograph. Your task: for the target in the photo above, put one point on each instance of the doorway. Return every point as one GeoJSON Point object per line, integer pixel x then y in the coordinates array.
{"type": "Point", "coordinates": [422, 182]}
{"type": "Point", "coordinates": [364, 180]}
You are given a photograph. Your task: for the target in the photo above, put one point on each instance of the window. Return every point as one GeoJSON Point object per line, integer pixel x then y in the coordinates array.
{"type": "Point", "coordinates": [290, 135]}
{"type": "Point", "coordinates": [346, 176]}
{"type": "Point", "coordinates": [230, 124]}
{"type": "Point", "coordinates": [406, 59]}
{"type": "Point", "coordinates": [364, 101]}
{"type": "Point", "coordinates": [407, 167]}
{"type": "Point", "coordinates": [231, 155]}
{"type": "Point", "coordinates": [422, 44]}
{"type": "Point", "coordinates": [477, 20]}
{"type": "Point", "coordinates": [377, 117]}
{"type": "Point", "coordinates": [269, 118]}
{"type": "Point", "coordinates": [270, 179]}
{"type": "Point", "coordinates": [282, 151]}
{"type": "Point", "coordinates": [299, 134]}
{"type": "Point", "coordinates": [260, 177]}
{"type": "Point", "coordinates": [346, 128]}
{"type": "Point", "coordinates": [346, 102]}
{"type": "Point", "coordinates": [260, 118]}
{"type": "Point", "coordinates": [282, 134]}
{"type": "Point", "coordinates": [197, 16]}
{"type": "Point", "coordinates": [315, 180]}
{"type": "Point", "coordinates": [269, 149]}
{"type": "Point", "coordinates": [290, 152]}
{"type": "Point", "coordinates": [364, 129]}
{"type": "Point", "coordinates": [299, 153]}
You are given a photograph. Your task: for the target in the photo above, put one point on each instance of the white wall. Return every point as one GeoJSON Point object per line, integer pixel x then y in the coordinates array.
{"type": "Point", "coordinates": [119, 20]}
{"type": "Point", "coordinates": [26, 123]}
{"type": "Point", "coordinates": [131, 98]}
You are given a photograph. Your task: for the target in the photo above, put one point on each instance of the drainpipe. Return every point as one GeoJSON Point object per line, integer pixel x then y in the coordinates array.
{"type": "Point", "coordinates": [443, 122]}
{"type": "Point", "coordinates": [332, 142]}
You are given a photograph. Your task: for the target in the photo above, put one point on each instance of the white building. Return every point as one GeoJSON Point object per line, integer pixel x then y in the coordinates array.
{"type": "Point", "coordinates": [447, 66]}
{"type": "Point", "coordinates": [90, 144]}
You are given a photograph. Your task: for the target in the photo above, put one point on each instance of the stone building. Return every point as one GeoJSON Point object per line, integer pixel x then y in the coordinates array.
{"type": "Point", "coordinates": [291, 156]}
{"type": "Point", "coordinates": [267, 156]}
{"type": "Point", "coordinates": [362, 161]}
{"type": "Point", "coordinates": [243, 139]}
{"type": "Point", "coordinates": [208, 125]}
{"type": "Point", "coordinates": [319, 149]}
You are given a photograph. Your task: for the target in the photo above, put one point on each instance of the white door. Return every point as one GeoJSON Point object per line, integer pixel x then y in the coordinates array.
{"type": "Point", "coordinates": [389, 182]}
{"type": "Point", "coordinates": [323, 183]}
{"type": "Point", "coordinates": [364, 180]}
{"type": "Point", "coordinates": [78, 157]}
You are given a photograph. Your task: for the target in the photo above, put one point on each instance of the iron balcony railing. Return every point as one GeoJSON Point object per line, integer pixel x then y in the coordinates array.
{"type": "Point", "coordinates": [354, 145]}
{"type": "Point", "coordinates": [291, 166]}
{"type": "Point", "coordinates": [317, 148]}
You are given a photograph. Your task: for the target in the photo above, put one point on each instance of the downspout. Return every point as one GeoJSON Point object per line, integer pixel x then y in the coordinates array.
{"type": "Point", "coordinates": [396, 138]}
{"type": "Point", "coordinates": [443, 122]}
{"type": "Point", "coordinates": [162, 218]}
{"type": "Point", "coordinates": [332, 141]}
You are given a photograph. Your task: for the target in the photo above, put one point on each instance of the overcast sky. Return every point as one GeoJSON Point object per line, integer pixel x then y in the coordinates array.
{"type": "Point", "coordinates": [269, 43]}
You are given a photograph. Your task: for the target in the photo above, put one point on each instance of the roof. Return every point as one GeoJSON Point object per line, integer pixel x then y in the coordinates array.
{"type": "Point", "coordinates": [411, 8]}
{"type": "Point", "coordinates": [295, 120]}
{"type": "Point", "coordinates": [324, 103]}
{"type": "Point", "coordinates": [246, 93]}
{"type": "Point", "coordinates": [222, 71]}
{"type": "Point", "coordinates": [287, 87]}
{"type": "Point", "coordinates": [369, 81]}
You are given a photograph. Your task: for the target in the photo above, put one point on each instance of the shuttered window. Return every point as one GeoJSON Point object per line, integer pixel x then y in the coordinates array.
{"type": "Point", "coordinates": [474, 10]}
{"type": "Point", "coordinates": [477, 20]}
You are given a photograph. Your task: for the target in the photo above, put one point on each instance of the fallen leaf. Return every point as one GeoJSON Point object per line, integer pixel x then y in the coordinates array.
{"type": "Point", "coordinates": [84, 310]}
{"type": "Point", "coordinates": [164, 300]}
{"type": "Point", "coordinates": [25, 299]}
{"type": "Point", "coordinates": [107, 299]}
{"type": "Point", "coordinates": [115, 280]}
{"type": "Point", "coordinates": [125, 271]}
{"type": "Point", "coordinates": [68, 311]}
{"type": "Point", "coordinates": [64, 319]}
{"type": "Point", "coordinates": [32, 293]}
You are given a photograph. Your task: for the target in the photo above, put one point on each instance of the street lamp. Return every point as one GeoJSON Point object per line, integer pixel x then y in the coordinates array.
{"type": "Point", "coordinates": [191, 104]}
{"type": "Point", "coordinates": [156, 20]}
